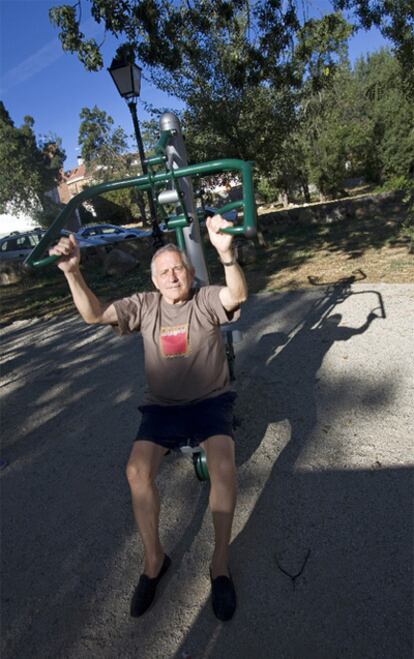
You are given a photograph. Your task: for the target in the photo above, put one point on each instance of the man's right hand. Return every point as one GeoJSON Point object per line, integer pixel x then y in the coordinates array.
{"type": "Point", "coordinates": [69, 250]}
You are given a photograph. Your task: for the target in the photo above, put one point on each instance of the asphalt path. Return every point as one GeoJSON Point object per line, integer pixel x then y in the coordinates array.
{"type": "Point", "coordinates": [322, 553]}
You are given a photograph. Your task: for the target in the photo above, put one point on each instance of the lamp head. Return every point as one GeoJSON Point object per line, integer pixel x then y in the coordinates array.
{"type": "Point", "coordinates": [126, 75]}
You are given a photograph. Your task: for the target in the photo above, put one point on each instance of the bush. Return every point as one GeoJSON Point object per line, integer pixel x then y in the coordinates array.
{"type": "Point", "coordinates": [395, 183]}
{"type": "Point", "coordinates": [267, 190]}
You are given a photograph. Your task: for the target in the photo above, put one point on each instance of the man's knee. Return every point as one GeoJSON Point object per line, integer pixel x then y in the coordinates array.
{"type": "Point", "coordinates": [143, 465]}
{"type": "Point", "coordinates": [222, 470]}
{"type": "Point", "coordinates": [138, 473]}
{"type": "Point", "coordinates": [220, 458]}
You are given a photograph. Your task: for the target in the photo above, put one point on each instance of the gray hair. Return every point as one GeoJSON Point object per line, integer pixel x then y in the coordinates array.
{"type": "Point", "coordinates": [170, 247]}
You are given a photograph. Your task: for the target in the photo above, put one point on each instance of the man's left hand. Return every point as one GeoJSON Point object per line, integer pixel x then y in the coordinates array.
{"type": "Point", "coordinates": [221, 241]}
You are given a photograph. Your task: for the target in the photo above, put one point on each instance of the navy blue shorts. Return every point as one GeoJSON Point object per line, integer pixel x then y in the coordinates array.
{"type": "Point", "coordinates": [179, 425]}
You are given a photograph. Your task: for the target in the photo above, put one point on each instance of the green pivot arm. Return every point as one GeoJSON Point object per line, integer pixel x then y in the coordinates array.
{"type": "Point", "coordinates": [37, 257]}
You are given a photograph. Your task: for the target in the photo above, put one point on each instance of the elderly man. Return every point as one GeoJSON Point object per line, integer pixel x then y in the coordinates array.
{"type": "Point", "coordinates": [188, 395]}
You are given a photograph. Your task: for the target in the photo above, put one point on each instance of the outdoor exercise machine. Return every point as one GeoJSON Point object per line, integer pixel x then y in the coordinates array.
{"type": "Point", "coordinates": [170, 181]}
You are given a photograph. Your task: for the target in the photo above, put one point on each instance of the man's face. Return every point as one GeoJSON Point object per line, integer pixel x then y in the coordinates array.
{"type": "Point", "coordinates": [172, 278]}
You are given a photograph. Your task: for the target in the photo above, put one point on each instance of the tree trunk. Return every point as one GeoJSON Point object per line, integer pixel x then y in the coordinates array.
{"type": "Point", "coordinates": [285, 199]}
{"type": "Point", "coordinates": [306, 193]}
{"type": "Point", "coordinates": [141, 206]}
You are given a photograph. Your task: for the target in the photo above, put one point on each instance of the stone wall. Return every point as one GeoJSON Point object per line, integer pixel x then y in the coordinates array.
{"type": "Point", "coordinates": [387, 204]}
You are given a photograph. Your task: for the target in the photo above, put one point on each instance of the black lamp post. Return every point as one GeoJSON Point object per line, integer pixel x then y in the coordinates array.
{"type": "Point", "coordinates": [127, 78]}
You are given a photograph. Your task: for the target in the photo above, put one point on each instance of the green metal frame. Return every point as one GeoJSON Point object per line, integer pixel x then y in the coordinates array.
{"type": "Point", "coordinates": [153, 181]}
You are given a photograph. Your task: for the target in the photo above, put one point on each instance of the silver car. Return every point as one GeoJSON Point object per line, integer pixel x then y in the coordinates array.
{"type": "Point", "coordinates": [17, 246]}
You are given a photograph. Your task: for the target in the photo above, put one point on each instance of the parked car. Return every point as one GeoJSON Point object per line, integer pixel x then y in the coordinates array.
{"type": "Point", "coordinates": [109, 233]}
{"type": "Point", "coordinates": [84, 243]}
{"type": "Point", "coordinates": [17, 245]}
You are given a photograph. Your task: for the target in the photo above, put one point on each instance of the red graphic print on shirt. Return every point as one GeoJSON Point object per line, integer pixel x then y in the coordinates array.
{"type": "Point", "coordinates": [174, 341]}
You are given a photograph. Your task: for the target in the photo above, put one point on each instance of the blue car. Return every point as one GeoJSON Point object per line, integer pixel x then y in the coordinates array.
{"type": "Point", "coordinates": [102, 234]}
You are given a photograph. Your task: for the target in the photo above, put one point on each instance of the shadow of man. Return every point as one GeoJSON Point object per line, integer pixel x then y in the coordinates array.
{"type": "Point", "coordinates": [295, 510]}
{"type": "Point", "coordinates": [284, 377]}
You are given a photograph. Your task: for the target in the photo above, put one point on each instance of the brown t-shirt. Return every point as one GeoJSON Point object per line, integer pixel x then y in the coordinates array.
{"type": "Point", "coordinates": [185, 358]}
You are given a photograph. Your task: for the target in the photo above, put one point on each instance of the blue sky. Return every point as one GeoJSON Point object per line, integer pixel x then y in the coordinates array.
{"type": "Point", "coordinates": [39, 79]}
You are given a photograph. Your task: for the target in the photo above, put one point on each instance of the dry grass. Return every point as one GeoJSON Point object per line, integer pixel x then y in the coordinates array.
{"type": "Point", "coordinates": [388, 264]}
{"type": "Point", "coordinates": [299, 253]}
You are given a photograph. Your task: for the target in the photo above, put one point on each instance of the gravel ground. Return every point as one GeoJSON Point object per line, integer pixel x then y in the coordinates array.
{"type": "Point", "coordinates": [322, 553]}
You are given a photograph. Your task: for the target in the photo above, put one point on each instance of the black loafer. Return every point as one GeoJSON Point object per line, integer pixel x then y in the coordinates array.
{"type": "Point", "coordinates": [145, 591]}
{"type": "Point", "coordinates": [223, 597]}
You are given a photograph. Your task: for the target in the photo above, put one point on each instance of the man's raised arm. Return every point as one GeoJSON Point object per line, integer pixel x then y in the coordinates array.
{"type": "Point", "coordinates": [235, 291]}
{"type": "Point", "coordinates": [86, 302]}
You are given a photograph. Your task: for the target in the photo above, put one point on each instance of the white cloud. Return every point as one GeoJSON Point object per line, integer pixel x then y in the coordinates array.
{"type": "Point", "coordinates": [32, 65]}
{"type": "Point", "coordinates": [41, 59]}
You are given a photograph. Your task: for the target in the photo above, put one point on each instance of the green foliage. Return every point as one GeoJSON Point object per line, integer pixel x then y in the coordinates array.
{"type": "Point", "coordinates": [172, 35]}
{"type": "Point", "coordinates": [243, 91]}
{"type": "Point", "coordinates": [389, 117]}
{"type": "Point", "coordinates": [67, 18]}
{"type": "Point", "coordinates": [395, 19]}
{"type": "Point", "coordinates": [222, 58]}
{"type": "Point", "coordinates": [104, 149]}
{"type": "Point", "coordinates": [261, 85]}
{"type": "Point", "coordinates": [28, 169]}
{"type": "Point", "coordinates": [363, 120]}
{"type": "Point", "coordinates": [395, 183]}
{"type": "Point", "coordinates": [267, 189]}
{"type": "Point", "coordinates": [321, 43]}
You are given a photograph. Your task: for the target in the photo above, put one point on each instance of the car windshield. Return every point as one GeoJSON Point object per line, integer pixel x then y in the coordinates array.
{"type": "Point", "coordinates": [110, 230]}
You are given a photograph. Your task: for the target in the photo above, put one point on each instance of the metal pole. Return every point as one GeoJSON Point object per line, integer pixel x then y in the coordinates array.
{"type": "Point", "coordinates": [156, 231]}
{"type": "Point", "coordinates": [177, 157]}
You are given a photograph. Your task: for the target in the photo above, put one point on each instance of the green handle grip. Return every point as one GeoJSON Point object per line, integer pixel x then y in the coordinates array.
{"type": "Point", "coordinates": [248, 231]}
{"type": "Point", "coordinates": [237, 231]}
{"type": "Point", "coordinates": [48, 260]}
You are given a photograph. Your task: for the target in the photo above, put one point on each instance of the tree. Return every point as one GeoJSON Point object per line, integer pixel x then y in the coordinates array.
{"type": "Point", "coordinates": [395, 19]}
{"type": "Point", "coordinates": [364, 119]}
{"type": "Point", "coordinates": [107, 156]}
{"type": "Point", "coordinates": [313, 151]}
{"type": "Point", "coordinates": [326, 119]}
{"type": "Point", "coordinates": [235, 64]}
{"type": "Point", "coordinates": [216, 56]}
{"type": "Point", "coordinates": [28, 168]}
{"type": "Point", "coordinates": [102, 147]}
{"type": "Point", "coordinates": [245, 70]}
{"type": "Point", "coordinates": [385, 106]}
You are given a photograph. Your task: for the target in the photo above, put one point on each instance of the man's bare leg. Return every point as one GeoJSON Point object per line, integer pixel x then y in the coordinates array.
{"type": "Point", "coordinates": [141, 470]}
{"type": "Point", "coordinates": [223, 492]}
